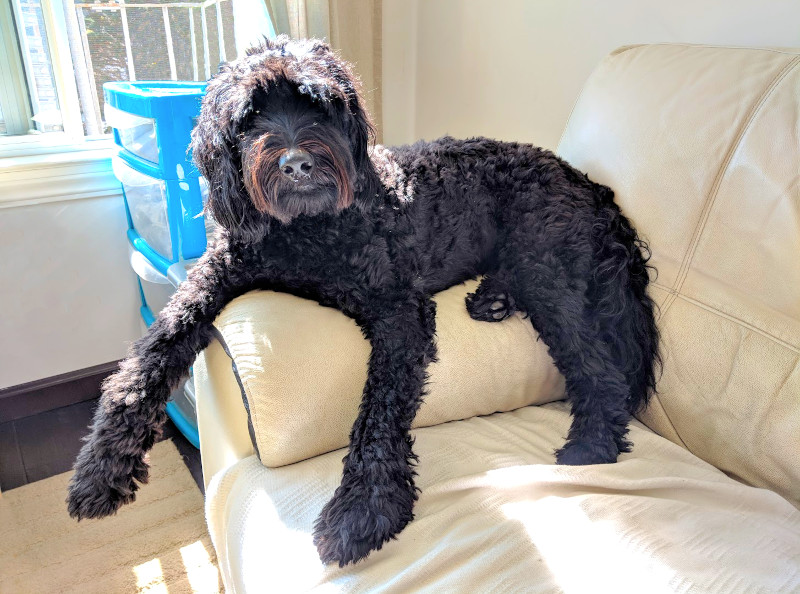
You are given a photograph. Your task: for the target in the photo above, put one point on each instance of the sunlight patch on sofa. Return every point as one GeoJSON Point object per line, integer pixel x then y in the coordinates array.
{"type": "Point", "coordinates": [288, 557]}
{"type": "Point", "coordinates": [249, 362]}
{"type": "Point", "coordinates": [582, 553]}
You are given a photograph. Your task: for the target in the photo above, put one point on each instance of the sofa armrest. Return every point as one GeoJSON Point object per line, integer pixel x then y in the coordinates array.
{"type": "Point", "coordinates": [221, 416]}
{"type": "Point", "coordinates": [302, 369]}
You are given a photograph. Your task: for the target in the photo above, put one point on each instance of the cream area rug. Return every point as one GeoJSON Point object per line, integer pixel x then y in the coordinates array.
{"type": "Point", "coordinates": [157, 545]}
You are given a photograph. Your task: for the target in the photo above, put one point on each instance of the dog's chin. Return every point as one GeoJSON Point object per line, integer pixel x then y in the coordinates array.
{"type": "Point", "coordinates": [308, 200]}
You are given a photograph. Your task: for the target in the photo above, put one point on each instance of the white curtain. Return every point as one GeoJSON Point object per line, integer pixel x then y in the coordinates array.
{"type": "Point", "coordinates": [251, 22]}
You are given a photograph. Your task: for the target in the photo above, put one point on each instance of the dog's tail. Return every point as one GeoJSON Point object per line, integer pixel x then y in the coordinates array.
{"type": "Point", "coordinates": [623, 311]}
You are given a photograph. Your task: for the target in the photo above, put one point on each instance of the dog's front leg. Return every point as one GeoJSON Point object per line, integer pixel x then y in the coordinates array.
{"type": "Point", "coordinates": [131, 412]}
{"type": "Point", "coordinates": [375, 499]}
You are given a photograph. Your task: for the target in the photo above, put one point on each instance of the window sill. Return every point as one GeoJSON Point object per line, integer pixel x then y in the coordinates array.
{"type": "Point", "coordinates": [72, 172]}
{"type": "Point", "coordinates": [51, 142]}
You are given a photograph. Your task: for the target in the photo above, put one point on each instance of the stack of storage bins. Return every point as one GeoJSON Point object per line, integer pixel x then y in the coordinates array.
{"type": "Point", "coordinates": [164, 197]}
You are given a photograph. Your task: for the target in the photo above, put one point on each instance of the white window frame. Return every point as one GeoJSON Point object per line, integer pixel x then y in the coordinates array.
{"type": "Point", "coordinates": [66, 89]}
{"type": "Point", "coordinates": [53, 166]}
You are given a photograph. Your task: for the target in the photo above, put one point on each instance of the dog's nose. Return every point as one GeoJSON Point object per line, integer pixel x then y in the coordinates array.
{"type": "Point", "coordinates": [296, 164]}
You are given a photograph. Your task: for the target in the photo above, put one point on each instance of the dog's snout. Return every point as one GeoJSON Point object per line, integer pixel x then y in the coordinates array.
{"type": "Point", "coordinates": [296, 164]}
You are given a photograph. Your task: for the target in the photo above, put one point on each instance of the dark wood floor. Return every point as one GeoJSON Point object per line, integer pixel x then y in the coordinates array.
{"type": "Point", "coordinates": [45, 444]}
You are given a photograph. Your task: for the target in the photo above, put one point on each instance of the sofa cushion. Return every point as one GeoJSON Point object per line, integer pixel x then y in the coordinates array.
{"type": "Point", "coordinates": [495, 515]}
{"type": "Point", "coordinates": [702, 148]}
{"type": "Point", "coordinates": [302, 368]}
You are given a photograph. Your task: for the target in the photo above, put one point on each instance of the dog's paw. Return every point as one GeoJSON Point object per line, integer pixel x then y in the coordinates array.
{"type": "Point", "coordinates": [490, 307]}
{"type": "Point", "coordinates": [356, 522]}
{"type": "Point", "coordinates": [582, 453]}
{"type": "Point", "coordinates": [101, 485]}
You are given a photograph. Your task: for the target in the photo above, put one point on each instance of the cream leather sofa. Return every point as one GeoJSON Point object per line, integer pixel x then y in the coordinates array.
{"type": "Point", "coordinates": [702, 146]}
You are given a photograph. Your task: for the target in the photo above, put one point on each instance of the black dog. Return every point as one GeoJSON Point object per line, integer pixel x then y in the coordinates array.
{"type": "Point", "coordinates": [305, 206]}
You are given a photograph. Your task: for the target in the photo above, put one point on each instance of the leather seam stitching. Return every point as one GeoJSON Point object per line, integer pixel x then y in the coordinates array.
{"type": "Point", "coordinates": [727, 316]}
{"type": "Point", "coordinates": [683, 272]}
{"type": "Point", "coordinates": [739, 321]}
{"type": "Point", "coordinates": [785, 52]}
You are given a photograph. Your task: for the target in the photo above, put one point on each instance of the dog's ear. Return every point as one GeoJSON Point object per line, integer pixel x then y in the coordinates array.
{"type": "Point", "coordinates": [358, 123]}
{"type": "Point", "coordinates": [361, 134]}
{"type": "Point", "coordinates": [215, 151]}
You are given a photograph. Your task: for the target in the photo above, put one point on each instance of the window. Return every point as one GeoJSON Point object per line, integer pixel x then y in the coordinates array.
{"type": "Point", "coordinates": [33, 100]}
{"type": "Point", "coordinates": [56, 55]}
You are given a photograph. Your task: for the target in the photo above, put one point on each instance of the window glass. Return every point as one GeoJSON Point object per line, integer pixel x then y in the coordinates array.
{"type": "Point", "coordinates": [108, 41]}
{"type": "Point", "coordinates": [30, 101]}
{"type": "Point", "coordinates": [155, 40]}
{"type": "Point", "coordinates": [41, 83]}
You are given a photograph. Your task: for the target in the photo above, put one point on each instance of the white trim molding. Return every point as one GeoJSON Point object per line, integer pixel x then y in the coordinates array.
{"type": "Point", "coordinates": [55, 177]}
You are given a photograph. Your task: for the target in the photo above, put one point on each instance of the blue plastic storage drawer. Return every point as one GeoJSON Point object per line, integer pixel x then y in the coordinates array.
{"type": "Point", "coordinates": [182, 406]}
{"type": "Point", "coordinates": [165, 213]}
{"type": "Point", "coordinates": [152, 121]}
{"type": "Point", "coordinates": [155, 290]}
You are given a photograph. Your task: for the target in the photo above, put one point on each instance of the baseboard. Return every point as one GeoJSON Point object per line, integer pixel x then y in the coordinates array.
{"type": "Point", "coordinates": [38, 396]}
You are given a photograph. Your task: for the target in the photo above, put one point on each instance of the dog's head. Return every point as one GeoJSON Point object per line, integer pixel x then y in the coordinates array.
{"type": "Point", "coordinates": [282, 132]}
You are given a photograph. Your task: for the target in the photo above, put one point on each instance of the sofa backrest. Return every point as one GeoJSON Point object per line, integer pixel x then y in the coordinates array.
{"type": "Point", "coordinates": [702, 148]}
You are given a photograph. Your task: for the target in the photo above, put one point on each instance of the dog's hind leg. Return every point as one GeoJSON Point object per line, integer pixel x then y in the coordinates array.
{"type": "Point", "coordinates": [376, 496]}
{"type": "Point", "coordinates": [596, 389]}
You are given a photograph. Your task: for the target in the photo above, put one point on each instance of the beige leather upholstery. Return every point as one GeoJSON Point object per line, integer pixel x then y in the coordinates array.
{"type": "Point", "coordinates": [303, 369]}
{"type": "Point", "coordinates": [221, 416]}
{"type": "Point", "coordinates": [496, 515]}
{"type": "Point", "coordinates": [702, 148]}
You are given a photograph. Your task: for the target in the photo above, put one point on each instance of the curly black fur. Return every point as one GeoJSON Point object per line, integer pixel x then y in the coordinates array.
{"type": "Point", "coordinates": [375, 232]}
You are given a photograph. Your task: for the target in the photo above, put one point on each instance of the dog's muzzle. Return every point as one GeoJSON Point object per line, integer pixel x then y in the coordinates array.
{"type": "Point", "coordinates": [296, 164]}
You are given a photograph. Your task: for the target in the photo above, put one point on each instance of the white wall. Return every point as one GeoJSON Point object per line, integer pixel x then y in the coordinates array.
{"type": "Point", "coordinates": [512, 69]}
{"type": "Point", "coordinates": [68, 297]}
